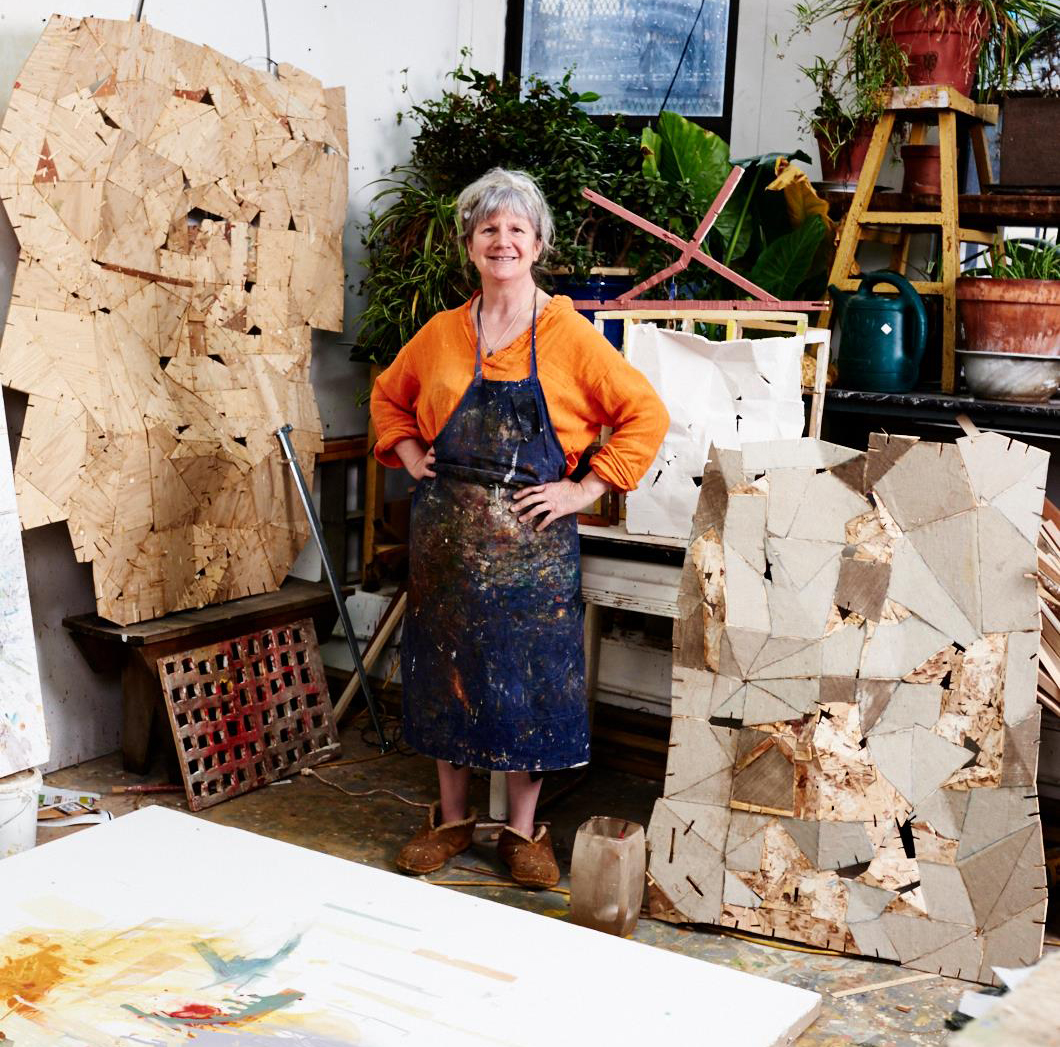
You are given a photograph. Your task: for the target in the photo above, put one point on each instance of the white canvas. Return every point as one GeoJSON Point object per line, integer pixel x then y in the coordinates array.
{"type": "Point", "coordinates": [23, 738]}
{"type": "Point", "coordinates": [168, 930]}
{"type": "Point", "coordinates": [721, 393]}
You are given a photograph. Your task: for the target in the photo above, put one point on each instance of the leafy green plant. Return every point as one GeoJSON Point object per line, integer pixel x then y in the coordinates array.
{"type": "Point", "coordinates": [755, 234]}
{"type": "Point", "coordinates": [1004, 24]}
{"type": "Point", "coordinates": [669, 175]}
{"type": "Point", "coordinates": [1022, 258]}
{"type": "Point", "coordinates": [415, 267]}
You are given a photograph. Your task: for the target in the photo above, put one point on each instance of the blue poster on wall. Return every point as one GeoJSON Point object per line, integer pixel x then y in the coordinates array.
{"type": "Point", "coordinates": [627, 52]}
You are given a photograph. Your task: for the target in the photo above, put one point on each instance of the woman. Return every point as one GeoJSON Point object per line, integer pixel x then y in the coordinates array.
{"type": "Point", "coordinates": [490, 407]}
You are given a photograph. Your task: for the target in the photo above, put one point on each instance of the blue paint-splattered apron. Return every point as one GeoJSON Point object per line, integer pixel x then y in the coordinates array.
{"type": "Point", "coordinates": [492, 657]}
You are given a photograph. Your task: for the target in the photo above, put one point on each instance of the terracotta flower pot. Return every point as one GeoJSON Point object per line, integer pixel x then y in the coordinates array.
{"type": "Point", "coordinates": [943, 44]}
{"type": "Point", "coordinates": [845, 166]}
{"type": "Point", "coordinates": [1010, 316]}
{"type": "Point", "coordinates": [922, 170]}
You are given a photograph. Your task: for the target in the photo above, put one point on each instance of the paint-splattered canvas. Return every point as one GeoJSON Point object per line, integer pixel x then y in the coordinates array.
{"type": "Point", "coordinates": [161, 929]}
{"type": "Point", "coordinates": [853, 749]}
{"type": "Point", "coordinates": [23, 738]}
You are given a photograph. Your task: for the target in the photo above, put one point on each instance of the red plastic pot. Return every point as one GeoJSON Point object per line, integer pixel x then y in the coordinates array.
{"type": "Point", "coordinates": [845, 166]}
{"type": "Point", "coordinates": [943, 43]}
{"type": "Point", "coordinates": [922, 174]}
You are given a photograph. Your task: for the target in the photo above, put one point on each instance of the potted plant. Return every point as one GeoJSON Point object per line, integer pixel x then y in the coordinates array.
{"type": "Point", "coordinates": [415, 267]}
{"type": "Point", "coordinates": [1009, 311]}
{"type": "Point", "coordinates": [955, 42]}
{"type": "Point", "coordinates": [849, 103]}
{"type": "Point", "coordinates": [776, 236]}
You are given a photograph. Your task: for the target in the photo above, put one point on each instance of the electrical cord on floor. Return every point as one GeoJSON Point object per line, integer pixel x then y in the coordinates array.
{"type": "Point", "coordinates": [309, 772]}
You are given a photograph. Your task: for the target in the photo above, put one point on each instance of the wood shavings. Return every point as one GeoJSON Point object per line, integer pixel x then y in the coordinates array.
{"type": "Point", "coordinates": [180, 221]}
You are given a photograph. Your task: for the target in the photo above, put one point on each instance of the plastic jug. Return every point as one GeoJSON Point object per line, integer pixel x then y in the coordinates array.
{"type": "Point", "coordinates": [883, 336]}
{"type": "Point", "coordinates": [607, 875]}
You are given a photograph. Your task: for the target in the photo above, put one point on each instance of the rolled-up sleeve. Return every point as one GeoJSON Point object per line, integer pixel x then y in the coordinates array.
{"type": "Point", "coordinates": [630, 406]}
{"type": "Point", "coordinates": [393, 406]}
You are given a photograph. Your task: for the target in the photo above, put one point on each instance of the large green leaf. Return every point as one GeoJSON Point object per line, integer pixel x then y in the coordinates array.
{"type": "Point", "coordinates": [693, 154]}
{"type": "Point", "coordinates": [650, 146]}
{"type": "Point", "coordinates": [787, 261]}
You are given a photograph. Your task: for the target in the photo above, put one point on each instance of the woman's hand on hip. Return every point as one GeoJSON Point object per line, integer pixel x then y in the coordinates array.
{"type": "Point", "coordinates": [417, 460]}
{"type": "Point", "coordinates": [542, 504]}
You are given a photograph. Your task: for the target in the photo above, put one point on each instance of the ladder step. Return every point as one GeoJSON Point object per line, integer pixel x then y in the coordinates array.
{"type": "Point", "coordinates": [901, 218]}
{"type": "Point", "coordinates": [923, 286]}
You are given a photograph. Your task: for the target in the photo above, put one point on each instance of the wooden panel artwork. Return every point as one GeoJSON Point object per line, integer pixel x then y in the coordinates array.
{"type": "Point", "coordinates": [248, 711]}
{"type": "Point", "coordinates": [854, 739]}
{"type": "Point", "coordinates": [180, 223]}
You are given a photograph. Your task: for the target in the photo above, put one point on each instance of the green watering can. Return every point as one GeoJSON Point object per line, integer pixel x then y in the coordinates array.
{"type": "Point", "coordinates": [883, 337]}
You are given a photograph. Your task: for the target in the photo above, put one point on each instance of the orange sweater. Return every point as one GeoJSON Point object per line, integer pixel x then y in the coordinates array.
{"type": "Point", "coordinates": [587, 384]}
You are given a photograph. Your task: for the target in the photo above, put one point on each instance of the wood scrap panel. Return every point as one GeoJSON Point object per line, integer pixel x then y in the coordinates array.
{"type": "Point", "coordinates": [248, 711]}
{"type": "Point", "coordinates": [854, 743]}
{"type": "Point", "coordinates": [180, 222]}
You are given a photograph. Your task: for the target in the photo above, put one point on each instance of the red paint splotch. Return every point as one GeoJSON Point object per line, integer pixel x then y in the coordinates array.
{"type": "Point", "coordinates": [195, 1010]}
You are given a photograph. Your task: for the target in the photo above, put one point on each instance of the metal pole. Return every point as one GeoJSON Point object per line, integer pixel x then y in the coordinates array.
{"type": "Point", "coordinates": [283, 435]}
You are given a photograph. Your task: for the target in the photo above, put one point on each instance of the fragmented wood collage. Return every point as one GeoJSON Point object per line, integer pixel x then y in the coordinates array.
{"type": "Point", "coordinates": [180, 222]}
{"type": "Point", "coordinates": [855, 727]}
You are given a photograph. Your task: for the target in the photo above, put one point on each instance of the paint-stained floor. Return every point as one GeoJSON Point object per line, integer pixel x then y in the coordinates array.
{"type": "Point", "coordinates": [310, 813]}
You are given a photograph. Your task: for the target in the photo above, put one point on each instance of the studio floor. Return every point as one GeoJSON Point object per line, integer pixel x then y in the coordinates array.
{"type": "Point", "coordinates": [310, 813]}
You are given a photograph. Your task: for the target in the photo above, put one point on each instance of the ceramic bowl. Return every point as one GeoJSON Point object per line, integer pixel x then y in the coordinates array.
{"type": "Point", "coordinates": [1011, 376]}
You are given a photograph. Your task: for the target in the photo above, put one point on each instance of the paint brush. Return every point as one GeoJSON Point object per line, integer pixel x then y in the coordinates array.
{"type": "Point", "coordinates": [156, 787]}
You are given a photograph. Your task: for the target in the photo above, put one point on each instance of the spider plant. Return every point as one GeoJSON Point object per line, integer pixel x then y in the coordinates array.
{"type": "Point", "coordinates": [1003, 24]}
{"type": "Point", "coordinates": [1022, 258]}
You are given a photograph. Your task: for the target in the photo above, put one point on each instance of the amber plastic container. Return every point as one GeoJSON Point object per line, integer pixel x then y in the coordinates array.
{"type": "Point", "coordinates": [607, 875]}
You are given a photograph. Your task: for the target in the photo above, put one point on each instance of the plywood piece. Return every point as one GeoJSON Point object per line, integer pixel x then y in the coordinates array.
{"type": "Point", "coordinates": [950, 550]}
{"type": "Point", "coordinates": [915, 586]}
{"type": "Point", "coordinates": [870, 938]}
{"type": "Point", "coordinates": [1021, 744]}
{"type": "Point", "coordinates": [746, 606]}
{"type": "Point", "coordinates": [177, 247]}
{"type": "Point", "coordinates": [703, 768]}
{"type": "Point", "coordinates": [826, 506]}
{"type": "Point", "coordinates": [800, 560]}
{"type": "Point", "coordinates": [994, 463]}
{"type": "Point", "coordinates": [843, 844]}
{"type": "Point", "coordinates": [686, 862]}
{"type": "Point", "coordinates": [745, 525]}
{"type": "Point", "coordinates": [907, 705]}
{"type": "Point", "coordinates": [866, 902]}
{"type": "Point", "coordinates": [994, 814]}
{"type": "Point", "coordinates": [806, 453]}
{"type": "Point", "coordinates": [926, 483]}
{"type": "Point", "coordinates": [987, 873]}
{"type": "Point", "coordinates": [915, 761]}
{"type": "Point", "coordinates": [766, 781]}
{"type": "Point", "coordinates": [786, 488]}
{"type": "Point", "coordinates": [1007, 564]}
{"type": "Point", "coordinates": [1015, 943]}
{"type": "Point", "coordinates": [736, 892]}
{"type": "Point", "coordinates": [914, 936]}
{"type": "Point", "coordinates": [1021, 505]}
{"type": "Point", "coordinates": [897, 648]}
{"type": "Point", "coordinates": [862, 587]}
{"type": "Point", "coordinates": [960, 959]}
{"type": "Point", "coordinates": [841, 650]}
{"type": "Point", "coordinates": [1021, 675]}
{"type": "Point", "coordinates": [945, 893]}
{"type": "Point", "coordinates": [884, 450]}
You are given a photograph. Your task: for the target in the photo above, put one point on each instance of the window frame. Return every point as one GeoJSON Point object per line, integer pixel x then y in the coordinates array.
{"type": "Point", "coordinates": [720, 125]}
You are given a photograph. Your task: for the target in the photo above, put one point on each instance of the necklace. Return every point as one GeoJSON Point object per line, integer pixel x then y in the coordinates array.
{"type": "Point", "coordinates": [499, 341]}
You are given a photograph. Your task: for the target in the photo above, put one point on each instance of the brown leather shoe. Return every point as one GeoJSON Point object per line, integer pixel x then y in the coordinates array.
{"type": "Point", "coordinates": [531, 861]}
{"type": "Point", "coordinates": [435, 844]}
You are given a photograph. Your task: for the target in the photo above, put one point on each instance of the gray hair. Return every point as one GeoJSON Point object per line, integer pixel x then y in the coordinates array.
{"type": "Point", "coordinates": [502, 190]}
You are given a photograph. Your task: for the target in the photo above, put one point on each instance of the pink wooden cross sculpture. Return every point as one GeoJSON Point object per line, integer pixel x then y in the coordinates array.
{"type": "Point", "coordinates": [690, 249]}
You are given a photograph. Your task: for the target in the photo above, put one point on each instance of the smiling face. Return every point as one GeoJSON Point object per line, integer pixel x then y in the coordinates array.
{"type": "Point", "coordinates": [504, 248]}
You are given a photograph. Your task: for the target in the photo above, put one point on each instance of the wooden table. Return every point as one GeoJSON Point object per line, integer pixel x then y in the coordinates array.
{"type": "Point", "coordinates": [135, 650]}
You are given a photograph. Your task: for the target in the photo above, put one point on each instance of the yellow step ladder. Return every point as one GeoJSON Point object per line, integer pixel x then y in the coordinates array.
{"type": "Point", "coordinates": [921, 107]}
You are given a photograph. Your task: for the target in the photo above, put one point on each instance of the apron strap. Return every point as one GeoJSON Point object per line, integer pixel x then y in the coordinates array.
{"type": "Point", "coordinates": [533, 338]}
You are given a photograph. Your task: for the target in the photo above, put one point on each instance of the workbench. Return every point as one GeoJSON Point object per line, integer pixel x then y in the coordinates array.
{"type": "Point", "coordinates": [135, 650]}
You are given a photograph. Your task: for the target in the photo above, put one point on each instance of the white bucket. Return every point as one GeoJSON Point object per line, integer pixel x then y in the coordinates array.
{"type": "Point", "coordinates": [18, 811]}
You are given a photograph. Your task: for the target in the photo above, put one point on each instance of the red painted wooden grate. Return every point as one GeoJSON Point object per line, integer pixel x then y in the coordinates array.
{"type": "Point", "coordinates": [248, 711]}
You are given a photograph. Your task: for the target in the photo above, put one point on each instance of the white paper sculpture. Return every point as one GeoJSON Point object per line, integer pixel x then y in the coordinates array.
{"type": "Point", "coordinates": [721, 393]}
